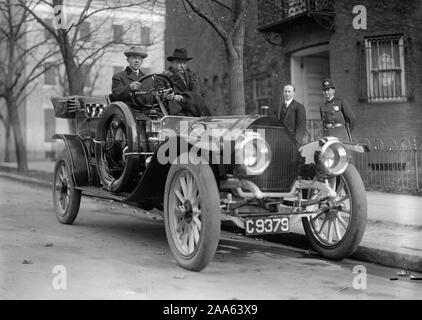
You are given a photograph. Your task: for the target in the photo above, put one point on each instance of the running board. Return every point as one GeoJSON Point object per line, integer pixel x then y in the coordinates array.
{"type": "Point", "coordinates": [104, 194]}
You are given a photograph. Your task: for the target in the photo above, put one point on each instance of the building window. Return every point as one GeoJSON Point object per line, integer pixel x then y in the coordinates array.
{"type": "Point", "coordinates": [117, 69]}
{"type": "Point", "coordinates": [50, 74]}
{"type": "Point", "coordinates": [146, 71]}
{"type": "Point", "coordinates": [145, 36]}
{"type": "Point", "coordinates": [47, 34]}
{"type": "Point", "coordinates": [118, 33]}
{"type": "Point", "coordinates": [262, 91]}
{"type": "Point", "coordinates": [84, 31]}
{"type": "Point", "coordinates": [49, 125]}
{"type": "Point", "coordinates": [85, 70]}
{"type": "Point", "coordinates": [385, 69]}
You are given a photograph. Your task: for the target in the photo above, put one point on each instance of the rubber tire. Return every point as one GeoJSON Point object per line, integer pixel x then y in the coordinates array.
{"type": "Point", "coordinates": [130, 171]}
{"type": "Point", "coordinates": [210, 217]}
{"type": "Point", "coordinates": [351, 240]}
{"type": "Point", "coordinates": [72, 209]}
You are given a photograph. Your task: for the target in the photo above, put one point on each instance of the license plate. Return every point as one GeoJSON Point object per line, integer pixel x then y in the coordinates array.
{"type": "Point", "coordinates": [267, 225]}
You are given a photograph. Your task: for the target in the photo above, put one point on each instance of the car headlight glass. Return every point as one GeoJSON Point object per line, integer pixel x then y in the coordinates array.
{"type": "Point", "coordinates": [250, 154]}
{"type": "Point", "coordinates": [333, 158]}
{"type": "Point", "coordinates": [253, 154]}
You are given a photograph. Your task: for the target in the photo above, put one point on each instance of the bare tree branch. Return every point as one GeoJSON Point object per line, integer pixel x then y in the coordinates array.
{"type": "Point", "coordinates": [79, 23]}
{"type": "Point", "coordinates": [240, 16]}
{"type": "Point", "coordinates": [47, 27]}
{"type": "Point", "coordinates": [225, 6]}
{"type": "Point", "coordinates": [216, 25]}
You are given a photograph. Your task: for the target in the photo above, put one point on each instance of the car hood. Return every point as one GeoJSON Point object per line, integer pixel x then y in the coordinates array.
{"type": "Point", "coordinates": [207, 132]}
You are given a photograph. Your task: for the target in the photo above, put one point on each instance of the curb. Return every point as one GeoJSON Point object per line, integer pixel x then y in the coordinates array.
{"type": "Point", "coordinates": [26, 179]}
{"type": "Point", "coordinates": [372, 255]}
{"type": "Point", "coordinates": [388, 258]}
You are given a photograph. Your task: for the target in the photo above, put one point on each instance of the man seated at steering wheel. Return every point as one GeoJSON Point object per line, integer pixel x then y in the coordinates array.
{"type": "Point", "coordinates": [127, 86]}
{"type": "Point", "coordinates": [126, 83]}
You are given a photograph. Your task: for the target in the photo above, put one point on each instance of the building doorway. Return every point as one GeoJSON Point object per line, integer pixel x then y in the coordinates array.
{"type": "Point", "coordinates": [308, 68]}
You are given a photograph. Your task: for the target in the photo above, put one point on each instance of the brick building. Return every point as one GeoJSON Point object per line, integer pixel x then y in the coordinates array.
{"type": "Point", "coordinates": [378, 69]}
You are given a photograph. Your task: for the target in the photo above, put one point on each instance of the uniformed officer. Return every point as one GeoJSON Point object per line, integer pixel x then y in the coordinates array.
{"type": "Point", "coordinates": [336, 114]}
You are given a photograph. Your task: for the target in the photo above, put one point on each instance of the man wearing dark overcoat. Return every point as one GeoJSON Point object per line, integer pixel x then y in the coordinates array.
{"type": "Point", "coordinates": [125, 83]}
{"type": "Point", "coordinates": [188, 91]}
{"type": "Point", "coordinates": [338, 119]}
{"type": "Point", "coordinates": [293, 114]}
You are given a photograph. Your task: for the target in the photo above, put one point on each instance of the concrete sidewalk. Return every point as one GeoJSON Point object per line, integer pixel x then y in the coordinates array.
{"type": "Point", "coordinates": [393, 235]}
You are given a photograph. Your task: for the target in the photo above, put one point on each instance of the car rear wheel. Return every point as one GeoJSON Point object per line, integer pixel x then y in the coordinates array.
{"type": "Point", "coordinates": [117, 134]}
{"type": "Point", "coordinates": [336, 233]}
{"type": "Point", "coordinates": [192, 215]}
{"type": "Point", "coordinates": [66, 197]}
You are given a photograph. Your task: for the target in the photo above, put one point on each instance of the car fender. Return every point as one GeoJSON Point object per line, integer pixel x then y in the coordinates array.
{"type": "Point", "coordinates": [153, 180]}
{"type": "Point", "coordinates": [78, 157]}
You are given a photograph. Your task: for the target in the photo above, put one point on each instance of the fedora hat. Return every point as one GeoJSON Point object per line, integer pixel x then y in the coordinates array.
{"type": "Point", "coordinates": [179, 54]}
{"type": "Point", "coordinates": [135, 51]}
{"type": "Point", "coordinates": [327, 84]}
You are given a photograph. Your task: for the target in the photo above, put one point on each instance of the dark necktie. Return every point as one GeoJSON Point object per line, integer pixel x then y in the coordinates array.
{"type": "Point", "coordinates": [283, 111]}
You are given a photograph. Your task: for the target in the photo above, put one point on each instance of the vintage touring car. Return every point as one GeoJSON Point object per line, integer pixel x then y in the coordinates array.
{"type": "Point", "coordinates": [260, 179]}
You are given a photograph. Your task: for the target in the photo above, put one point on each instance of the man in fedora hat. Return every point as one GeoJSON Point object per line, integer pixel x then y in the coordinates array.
{"type": "Point", "coordinates": [126, 82]}
{"type": "Point", "coordinates": [188, 92]}
{"type": "Point", "coordinates": [338, 119]}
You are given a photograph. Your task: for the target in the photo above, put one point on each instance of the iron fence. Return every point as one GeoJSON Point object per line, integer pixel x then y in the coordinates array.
{"type": "Point", "coordinates": [391, 165]}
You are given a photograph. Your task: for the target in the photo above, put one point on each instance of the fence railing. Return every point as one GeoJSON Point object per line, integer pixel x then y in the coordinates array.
{"type": "Point", "coordinates": [391, 164]}
{"type": "Point", "coordinates": [295, 7]}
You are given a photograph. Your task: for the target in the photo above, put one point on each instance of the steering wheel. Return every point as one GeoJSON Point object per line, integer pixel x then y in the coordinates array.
{"type": "Point", "coordinates": [156, 91]}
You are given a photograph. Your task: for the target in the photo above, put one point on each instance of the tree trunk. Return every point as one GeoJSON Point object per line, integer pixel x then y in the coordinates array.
{"type": "Point", "coordinates": [74, 74]}
{"type": "Point", "coordinates": [7, 142]}
{"type": "Point", "coordinates": [234, 45]}
{"type": "Point", "coordinates": [20, 148]}
{"type": "Point", "coordinates": [237, 88]}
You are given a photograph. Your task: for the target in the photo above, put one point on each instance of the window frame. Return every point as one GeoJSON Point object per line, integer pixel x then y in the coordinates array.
{"type": "Point", "coordinates": [145, 36]}
{"type": "Point", "coordinates": [85, 26]}
{"type": "Point", "coordinates": [372, 71]}
{"type": "Point", "coordinates": [86, 73]}
{"type": "Point", "coordinates": [53, 70]}
{"type": "Point", "coordinates": [269, 79]}
{"type": "Point", "coordinates": [116, 26]}
{"type": "Point", "coordinates": [49, 124]}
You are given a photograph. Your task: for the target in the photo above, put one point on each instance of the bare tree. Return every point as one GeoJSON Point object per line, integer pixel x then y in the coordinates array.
{"type": "Point", "coordinates": [19, 68]}
{"type": "Point", "coordinates": [81, 53]}
{"type": "Point", "coordinates": [227, 18]}
{"type": "Point", "coordinates": [6, 123]}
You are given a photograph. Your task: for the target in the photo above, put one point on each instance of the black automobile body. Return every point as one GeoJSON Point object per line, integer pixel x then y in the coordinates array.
{"type": "Point", "coordinates": [200, 171]}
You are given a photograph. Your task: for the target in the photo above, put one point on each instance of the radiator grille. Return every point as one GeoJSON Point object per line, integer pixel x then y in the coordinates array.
{"type": "Point", "coordinates": [280, 174]}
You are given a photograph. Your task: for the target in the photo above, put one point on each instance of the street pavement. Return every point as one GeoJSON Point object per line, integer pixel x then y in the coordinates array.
{"type": "Point", "coordinates": [114, 251]}
{"type": "Point", "coordinates": [393, 235]}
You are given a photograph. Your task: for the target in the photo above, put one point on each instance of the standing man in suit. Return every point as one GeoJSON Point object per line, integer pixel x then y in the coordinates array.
{"type": "Point", "coordinates": [293, 114]}
{"type": "Point", "coordinates": [338, 119]}
{"type": "Point", "coordinates": [125, 83]}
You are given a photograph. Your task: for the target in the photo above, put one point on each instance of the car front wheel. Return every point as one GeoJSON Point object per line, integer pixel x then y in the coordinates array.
{"type": "Point", "coordinates": [337, 232]}
{"type": "Point", "coordinates": [192, 215]}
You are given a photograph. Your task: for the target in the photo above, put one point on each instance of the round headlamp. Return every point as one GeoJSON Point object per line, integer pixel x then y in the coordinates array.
{"type": "Point", "coordinates": [333, 158]}
{"type": "Point", "coordinates": [252, 154]}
